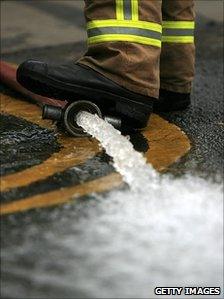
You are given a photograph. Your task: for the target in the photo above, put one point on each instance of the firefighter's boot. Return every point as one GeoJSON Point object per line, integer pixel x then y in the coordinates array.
{"type": "Point", "coordinates": [74, 82]}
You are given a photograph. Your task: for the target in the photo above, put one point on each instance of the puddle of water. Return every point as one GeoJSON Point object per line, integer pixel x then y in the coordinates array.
{"type": "Point", "coordinates": [180, 220]}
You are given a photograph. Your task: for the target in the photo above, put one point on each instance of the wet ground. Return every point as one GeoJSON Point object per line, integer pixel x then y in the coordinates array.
{"type": "Point", "coordinates": [44, 251]}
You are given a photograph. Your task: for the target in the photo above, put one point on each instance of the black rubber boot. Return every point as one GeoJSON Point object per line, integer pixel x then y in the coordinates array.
{"type": "Point", "coordinates": [171, 101]}
{"type": "Point", "coordinates": [75, 82]}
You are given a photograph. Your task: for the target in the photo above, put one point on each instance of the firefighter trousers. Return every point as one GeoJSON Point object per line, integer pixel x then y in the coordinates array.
{"type": "Point", "coordinates": [143, 45]}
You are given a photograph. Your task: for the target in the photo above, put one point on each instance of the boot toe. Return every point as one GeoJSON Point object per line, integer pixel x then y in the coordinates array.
{"type": "Point", "coordinates": [30, 67]}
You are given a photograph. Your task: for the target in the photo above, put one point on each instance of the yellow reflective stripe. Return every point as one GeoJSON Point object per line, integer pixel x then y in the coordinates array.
{"type": "Point", "coordinates": [124, 23]}
{"type": "Point", "coordinates": [119, 10]}
{"type": "Point", "coordinates": [124, 37]}
{"type": "Point", "coordinates": [178, 39]}
{"type": "Point", "coordinates": [134, 9]}
{"type": "Point", "coordinates": [179, 24]}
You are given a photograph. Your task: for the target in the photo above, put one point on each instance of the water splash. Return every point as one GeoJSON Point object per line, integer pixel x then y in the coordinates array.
{"type": "Point", "coordinates": [179, 220]}
{"type": "Point", "coordinates": [160, 232]}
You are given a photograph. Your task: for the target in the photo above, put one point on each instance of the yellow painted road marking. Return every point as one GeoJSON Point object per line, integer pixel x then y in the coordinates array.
{"type": "Point", "coordinates": [167, 144]}
{"type": "Point", "coordinates": [62, 195]}
{"type": "Point", "coordinates": [74, 151]}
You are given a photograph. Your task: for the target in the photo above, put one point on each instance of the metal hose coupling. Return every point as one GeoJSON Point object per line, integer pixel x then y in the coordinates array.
{"type": "Point", "coordinates": [68, 116]}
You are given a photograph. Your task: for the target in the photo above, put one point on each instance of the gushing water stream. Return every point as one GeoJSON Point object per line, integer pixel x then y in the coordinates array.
{"type": "Point", "coordinates": [182, 218]}
{"type": "Point", "coordinates": [128, 162]}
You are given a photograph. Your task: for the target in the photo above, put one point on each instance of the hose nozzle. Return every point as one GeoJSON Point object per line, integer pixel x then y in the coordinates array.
{"type": "Point", "coordinates": [52, 112]}
{"type": "Point", "coordinates": [69, 116]}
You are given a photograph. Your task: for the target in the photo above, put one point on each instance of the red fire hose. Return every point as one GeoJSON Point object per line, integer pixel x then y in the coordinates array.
{"type": "Point", "coordinates": [8, 77]}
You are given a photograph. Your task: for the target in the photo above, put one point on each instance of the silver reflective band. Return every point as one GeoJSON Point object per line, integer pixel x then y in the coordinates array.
{"type": "Point", "coordinates": [124, 30]}
{"type": "Point", "coordinates": [127, 10]}
{"type": "Point", "coordinates": [177, 32]}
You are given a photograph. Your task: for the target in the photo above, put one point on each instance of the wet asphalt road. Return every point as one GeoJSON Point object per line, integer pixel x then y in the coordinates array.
{"type": "Point", "coordinates": [42, 249]}
{"type": "Point", "coordinates": [22, 144]}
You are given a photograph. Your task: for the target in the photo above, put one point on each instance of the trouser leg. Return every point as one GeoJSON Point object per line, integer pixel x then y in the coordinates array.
{"type": "Point", "coordinates": [124, 42]}
{"type": "Point", "coordinates": [178, 49]}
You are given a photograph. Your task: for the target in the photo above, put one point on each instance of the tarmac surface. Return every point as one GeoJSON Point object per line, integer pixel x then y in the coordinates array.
{"type": "Point", "coordinates": [40, 255]}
